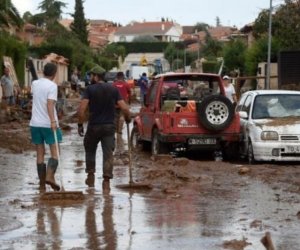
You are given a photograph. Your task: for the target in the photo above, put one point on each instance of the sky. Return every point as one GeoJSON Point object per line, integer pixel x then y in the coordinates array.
{"type": "Point", "coordinates": [185, 12]}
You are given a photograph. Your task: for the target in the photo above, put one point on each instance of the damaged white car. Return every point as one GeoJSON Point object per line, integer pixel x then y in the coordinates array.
{"type": "Point", "coordinates": [270, 121]}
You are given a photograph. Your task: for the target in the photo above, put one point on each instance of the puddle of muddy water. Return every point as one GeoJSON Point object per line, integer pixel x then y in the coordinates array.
{"type": "Point", "coordinates": [115, 219]}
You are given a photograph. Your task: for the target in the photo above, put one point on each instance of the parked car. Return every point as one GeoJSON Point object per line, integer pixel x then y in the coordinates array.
{"type": "Point", "coordinates": [186, 112]}
{"type": "Point", "coordinates": [270, 121]}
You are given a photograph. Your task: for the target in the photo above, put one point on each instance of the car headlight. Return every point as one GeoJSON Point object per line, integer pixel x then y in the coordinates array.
{"type": "Point", "coordinates": [269, 135]}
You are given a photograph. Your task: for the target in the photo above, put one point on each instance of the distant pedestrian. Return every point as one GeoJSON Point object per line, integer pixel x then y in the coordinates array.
{"type": "Point", "coordinates": [101, 99]}
{"type": "Point", "coordinates": [125, 92]}
{"type": "Point", "coordinates": [229, 90]}
{"type": "Point", "coordinates": [7, 88]}
{"type": "Point", "coordinates": [43, 123]}
{"type": "Point", "coordinates": [143, 84]}
{"type": "Point", "coordinates": [74, 80]}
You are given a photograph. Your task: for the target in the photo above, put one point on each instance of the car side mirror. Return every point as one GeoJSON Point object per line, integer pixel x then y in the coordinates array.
{"type": "Point", "coordinates": [243, 114]}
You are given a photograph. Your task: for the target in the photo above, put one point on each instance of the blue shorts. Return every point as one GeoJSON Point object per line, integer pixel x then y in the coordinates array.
{"type": "Point", "coordinates": [41, 135]}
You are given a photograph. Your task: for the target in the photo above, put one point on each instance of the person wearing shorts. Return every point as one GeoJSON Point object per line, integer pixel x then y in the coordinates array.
{"type": "Point", "coordinates": [44, 125]}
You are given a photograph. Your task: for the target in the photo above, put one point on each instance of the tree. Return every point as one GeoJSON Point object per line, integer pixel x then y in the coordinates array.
{"type": "Point", "coordinates": [52, 9]}
{"type": "Point", "coordinates": [218, 22]}
{"type": "Point", "coordinates": [9, 15]}
{"type": "Point", "coordinates": [79, 25]}
{"type": "Point", "coordinates": [201, 27]}
{"type": "Point", "coordinates": [212, 48]}
{"type": "Point", "coordinates": [234, 55]}
{"type": "Point", "coordinates": [285, 24]}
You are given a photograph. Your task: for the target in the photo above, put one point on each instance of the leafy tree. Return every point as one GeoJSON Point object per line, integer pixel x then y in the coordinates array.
{"type": "Point", "coordinates": [52, 9]}
{"type": "Point", "coordinates": [285, 24]}
{"type": "Point", "coordinates": [27, 16]}
{"type": "Point", "coordinates": [201, 27]}
{"type": "Point", "coordinates": [234, 55]}
{"type": "Point", "coordinates": [218, 22]}
{"type": "Point", "coordinates": [9, 15]}
{"type": "Point", "coordinates": [259, 53]}
{"type": "Point", "coordinates": [212, 48]}
{"type": "Point", "coordinates": [287, 20]}
{"type": "Point", "coordinates": [79, 25]}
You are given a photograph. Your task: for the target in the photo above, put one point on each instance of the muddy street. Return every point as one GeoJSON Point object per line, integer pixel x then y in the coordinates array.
{"type": "Point", "coordinates": [195, 203]}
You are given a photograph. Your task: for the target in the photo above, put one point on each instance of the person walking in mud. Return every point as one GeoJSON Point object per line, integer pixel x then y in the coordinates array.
{"type": "Point", "coordinates": [125, 92]}
{"type": "Point", "coordinates": [101, 98]}
{"type": "Point", "coordinates": [43, 123]}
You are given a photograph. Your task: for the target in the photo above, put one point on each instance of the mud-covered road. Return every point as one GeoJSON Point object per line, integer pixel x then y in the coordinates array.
{"type": "Point", "coordinates": [195, 203]}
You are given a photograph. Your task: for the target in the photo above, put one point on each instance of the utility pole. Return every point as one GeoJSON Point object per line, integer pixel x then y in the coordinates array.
{"type": "Point", "coordinates": [269, 47]}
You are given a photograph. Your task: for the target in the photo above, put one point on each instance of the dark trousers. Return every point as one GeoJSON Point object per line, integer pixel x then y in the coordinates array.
{"type": "Point", "coordinates": [104, 134]}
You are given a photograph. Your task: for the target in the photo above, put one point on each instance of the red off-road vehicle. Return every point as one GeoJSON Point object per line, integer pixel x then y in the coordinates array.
{"type": "Point", "coordinates": [187, 111]}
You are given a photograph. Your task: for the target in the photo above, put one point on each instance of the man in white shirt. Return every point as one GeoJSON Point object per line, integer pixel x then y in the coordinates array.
{"type": "Point", "coordinates": [229, 90]}
{"type": "Point", "coordinates": [43, 123]}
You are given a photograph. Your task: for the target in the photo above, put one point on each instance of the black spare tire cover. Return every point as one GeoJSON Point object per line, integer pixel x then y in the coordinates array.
{"type": "Point", "coordinates": [215, 112]}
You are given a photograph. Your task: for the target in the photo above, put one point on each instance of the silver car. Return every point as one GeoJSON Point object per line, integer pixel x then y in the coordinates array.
{"type": "Point", "coordinates": [270, 121]}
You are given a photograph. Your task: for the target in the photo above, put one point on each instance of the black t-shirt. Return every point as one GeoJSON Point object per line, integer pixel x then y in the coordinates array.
{"type": "Point", "coordinates": [103, 98]}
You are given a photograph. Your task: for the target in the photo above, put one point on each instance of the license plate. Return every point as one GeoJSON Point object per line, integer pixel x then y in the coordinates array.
{"type": "Point", "coordinates": [202, 141]}
{"type": "Point", "coordinates": [293, 149]}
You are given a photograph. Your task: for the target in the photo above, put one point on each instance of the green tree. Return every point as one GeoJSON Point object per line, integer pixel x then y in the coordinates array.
{"type": "Point", "coordinates": [201, 27]}
{"type": "Point", "coordinates": [9, 15]}
{"type": "Point", "coordinates": [234, 55]}
{"type": "Point", "coordinates": [259, 53]}
{"type": "Point", "coordinates": [212, 48]}
{"type": "Point", "coordinates": [79, 25]}
{"type": "Point", "coordinates": [52, 9]}
{"type": "Point", "coordinates": [218, 22]}
{"type": "Point", "coordinates": [285, 24]}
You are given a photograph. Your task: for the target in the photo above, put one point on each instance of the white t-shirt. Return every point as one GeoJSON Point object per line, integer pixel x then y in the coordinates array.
{"type": "Point", "coordinates": [229, 91]}
{"type": "Point", "coordinates": [42, 90]}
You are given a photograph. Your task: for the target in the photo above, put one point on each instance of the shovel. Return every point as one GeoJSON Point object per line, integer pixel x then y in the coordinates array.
{"type": "Point", "coordinates": [131, 184]}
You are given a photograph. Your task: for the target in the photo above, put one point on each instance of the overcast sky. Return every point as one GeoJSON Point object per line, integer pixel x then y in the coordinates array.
{"type": "Point", "coordinates": [184, 12]}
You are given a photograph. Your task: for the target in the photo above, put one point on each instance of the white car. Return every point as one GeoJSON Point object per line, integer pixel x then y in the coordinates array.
{"type": "Point", "coordinates": [270, 121]}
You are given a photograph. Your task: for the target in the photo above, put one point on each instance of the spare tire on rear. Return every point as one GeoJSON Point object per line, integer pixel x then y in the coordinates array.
{"type": "Point", "coordinates": [215, 112]}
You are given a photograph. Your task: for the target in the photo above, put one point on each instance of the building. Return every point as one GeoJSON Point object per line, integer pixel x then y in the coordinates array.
{"type": "Point", "coordinates": [162, 31]}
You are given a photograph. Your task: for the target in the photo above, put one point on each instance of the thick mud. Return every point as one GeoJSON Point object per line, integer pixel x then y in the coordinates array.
{"type": "Point", "coordinates": [195, 202]}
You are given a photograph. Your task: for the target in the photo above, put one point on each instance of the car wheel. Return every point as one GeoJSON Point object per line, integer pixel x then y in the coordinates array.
{"type": "Point", "coordinates": [215, 112]}
{"type": "Point", "coordinates": [251, 159]}
{"type": "Point", "coordinates": [135, 140]}
{"type": "Point", "coordinates": [158, 147]}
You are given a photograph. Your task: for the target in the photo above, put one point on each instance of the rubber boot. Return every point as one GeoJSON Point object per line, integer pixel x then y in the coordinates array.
{"type": "Point", "coordinates": [90, 180]}
{"type": "Point", "coordinates": [51, 169]}
{"type": "Point", "coordinates": [41, 170]}
{"type": "Point", "coordinates": [90, 170]}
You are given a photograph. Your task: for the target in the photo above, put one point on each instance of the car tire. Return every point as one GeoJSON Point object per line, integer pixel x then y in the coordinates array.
{"type": "Point", "coordinates": [135, 140]}
{"type": "Point", "coordinates": [215, 112]}
{"type": "Point", "coordinates": [158, 147]}
{"type": "Point", "coordinates": [250, 154]}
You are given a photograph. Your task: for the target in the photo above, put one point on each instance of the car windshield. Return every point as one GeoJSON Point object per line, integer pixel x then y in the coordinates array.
{"type": "Point", "coordinates": [276, 106]}
{"type": "Point", "coordinates": [191, 87]}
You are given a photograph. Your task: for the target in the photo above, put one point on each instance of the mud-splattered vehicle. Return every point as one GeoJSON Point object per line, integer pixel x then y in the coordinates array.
{"type": "Point", "coordinates": [184, 112]}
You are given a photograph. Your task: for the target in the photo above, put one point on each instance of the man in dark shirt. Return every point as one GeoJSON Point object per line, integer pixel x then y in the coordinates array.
{"type": "Point", "coordinates": [101, 99]}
